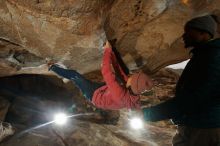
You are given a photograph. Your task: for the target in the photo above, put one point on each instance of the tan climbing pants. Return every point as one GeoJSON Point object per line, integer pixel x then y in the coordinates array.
{"type": "Point", "coordinates": [187, 136]}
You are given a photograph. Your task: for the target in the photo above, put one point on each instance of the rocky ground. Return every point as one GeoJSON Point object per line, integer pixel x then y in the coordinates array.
{"type": "Point", "coordinates": [33, 100]}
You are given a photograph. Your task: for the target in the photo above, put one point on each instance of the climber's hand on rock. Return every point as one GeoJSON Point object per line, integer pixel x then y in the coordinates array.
{"type": "Point", "coordinates": [107, 45]}
{"type": "Point", "coordinates": [49, 64]}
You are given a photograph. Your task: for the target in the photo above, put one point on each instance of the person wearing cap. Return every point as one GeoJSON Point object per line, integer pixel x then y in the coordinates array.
{"type": "Point", "coordinates": [195, 109]}
{"type": "Point", "coordinates": [113, 93]}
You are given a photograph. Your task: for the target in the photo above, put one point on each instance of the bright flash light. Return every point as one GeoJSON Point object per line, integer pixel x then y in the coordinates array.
{"type": "Point", "coordinates": [60, 118]}
{"type": "Point", "coordinates": [136, 123]}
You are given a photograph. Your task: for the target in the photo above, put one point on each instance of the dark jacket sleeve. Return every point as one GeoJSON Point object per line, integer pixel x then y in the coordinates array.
{"type": "Point", "coordinates": [193, 98]}
{"type": "Point", "coordinates": [162, 111]}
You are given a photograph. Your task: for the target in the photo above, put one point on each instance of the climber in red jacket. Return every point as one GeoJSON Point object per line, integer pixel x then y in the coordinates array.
{"type": "Point", "coordinates": [112, 94]}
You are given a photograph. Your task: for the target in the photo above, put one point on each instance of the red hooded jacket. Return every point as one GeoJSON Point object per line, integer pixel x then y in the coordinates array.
{"type": "Point", "coordinates": [113, 95]}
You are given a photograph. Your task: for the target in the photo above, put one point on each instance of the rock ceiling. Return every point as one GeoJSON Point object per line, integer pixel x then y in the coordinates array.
{"type": "Point", "coordinates": [148, 32]}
